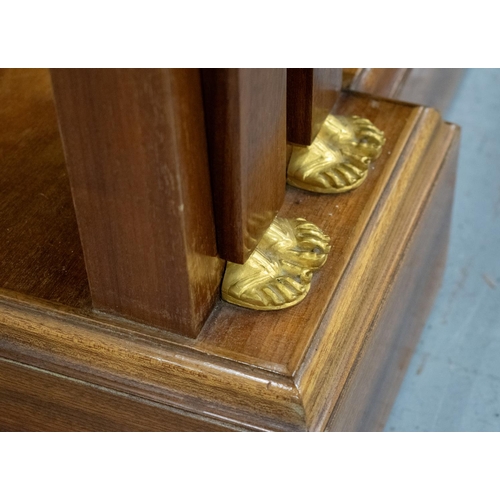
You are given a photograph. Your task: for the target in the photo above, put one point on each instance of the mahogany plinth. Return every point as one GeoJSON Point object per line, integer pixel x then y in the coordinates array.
{"type": "Point", "coordinates": [332, 362]}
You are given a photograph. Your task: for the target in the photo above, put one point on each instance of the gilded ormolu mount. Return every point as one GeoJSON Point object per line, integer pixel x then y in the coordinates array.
{"type": "Point", "coordinates": [278, 273]}
{"type": "Point", "coordinates": [338, 159]}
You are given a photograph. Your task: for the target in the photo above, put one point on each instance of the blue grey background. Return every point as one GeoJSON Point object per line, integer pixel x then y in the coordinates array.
{"type": "Point", "coordinates": [453, 381]}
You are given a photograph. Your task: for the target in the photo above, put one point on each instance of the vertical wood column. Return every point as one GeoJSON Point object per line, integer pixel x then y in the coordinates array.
{"type": "Point", "coordinates": [245, 112]}
{"type": "Point", "coordinates": [311, 94]}
{"type": "Point", "coordinates": [135, 148]}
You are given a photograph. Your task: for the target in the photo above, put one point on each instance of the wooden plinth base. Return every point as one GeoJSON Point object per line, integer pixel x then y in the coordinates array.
{"type": "Point", "coordinates": [333, 362]}
{"type": "Point", "coordinates": [434, 87]}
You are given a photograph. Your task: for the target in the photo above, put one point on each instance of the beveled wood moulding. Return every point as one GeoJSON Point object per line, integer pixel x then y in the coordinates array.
{"type": "Point", "coordinates": [332, 362]}
{"type": "Point", "coordinates": [433, 87]}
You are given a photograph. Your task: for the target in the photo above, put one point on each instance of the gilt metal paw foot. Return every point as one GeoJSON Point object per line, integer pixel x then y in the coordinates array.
{"type": "Point", "coordinates": [338, 159]}
{"type": "Point", "coordinates": [278, 274]}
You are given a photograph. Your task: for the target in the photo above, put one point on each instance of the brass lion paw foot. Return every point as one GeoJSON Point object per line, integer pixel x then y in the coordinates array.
{"type": "Point", "coordinates": [338, 159]}
{"type": "Point", "coordinates": [298, 243]}
{"type": "Point", "coordinates": [278, 274]}
{"type": "Point", "coordinates": [354, 136]}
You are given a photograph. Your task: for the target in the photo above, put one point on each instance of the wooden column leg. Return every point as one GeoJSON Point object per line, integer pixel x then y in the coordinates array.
{"type": "Point", "coordinates": [135, 148]}
{"type": "Point", "coordinates": [245, 112]}
{"type": "Point", "coordinates": [311, 94]}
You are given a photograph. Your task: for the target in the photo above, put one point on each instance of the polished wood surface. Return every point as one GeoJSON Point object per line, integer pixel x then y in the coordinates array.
{"type": "Point", "coordinates": [39, 400]}
{"type": "Point", "coordinates": [283, 370]}
{"type": "Point", "coordinates": [348, 75]}
{"type": "Point", "coordinates": [433, 87]}
{"type": "Point", "coordinates": [388, 347]}
{"type": "Point", "coordinates": [310, 96]}
{"type": "Point", "coordinates": [246, 132]}
{"type": "Point", "coordinates": [383, 82]}
{"type": "Point", "coordinates": [40, 250]}
{"type": "Point", "coordinates": [136, 155]}
{"type": "Point", "coordinates": [272, 339]}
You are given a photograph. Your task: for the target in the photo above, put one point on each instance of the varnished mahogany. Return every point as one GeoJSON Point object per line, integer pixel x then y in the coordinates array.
{"type": "Point", "coordinates": [136, 155]}
{"type": "Point", "coordinates": [245, 112]}
{"type": "Point", "coordinates": [434, 87]}
{"type": "Point", "coordinates": [325, 364]}
{"type": "Point", "coordinates": [310, 95]}
{"type": "Point", "coordinates": [40, 250]}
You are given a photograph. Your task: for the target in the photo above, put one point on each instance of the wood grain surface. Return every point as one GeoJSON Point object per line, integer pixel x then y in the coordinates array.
{"type": "Point", "coordinates": [310, 96]}
{"type": "Point", "coordinates": [40, 250]}
{"type": "Point", "coordinates": [387, 349]}
{"type": "Point", "coordinates": [36, 399]}
{"type": "Point", "coordinates": [282, 370]}
{"type": "Point", "coordinates": [348, 75]}
{"type": "Point", "coordinates": [245, 112]}
{"type": "Point", "coordinates": [272, 339]}
{"type": "Point", "coordinates": [137, 160]}
{"type": "Point", "coordinates": [433, 87]}
{"type": "Point", "coordinates": [383, 82]}
{"type": "Point", "coordinates": [352, 314]}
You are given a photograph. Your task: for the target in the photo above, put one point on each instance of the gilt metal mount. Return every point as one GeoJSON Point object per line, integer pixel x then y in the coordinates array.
{"type": "Point", "coordinates": [278, 273]}
{"type": "Point", "coordinates": [338, 159]}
